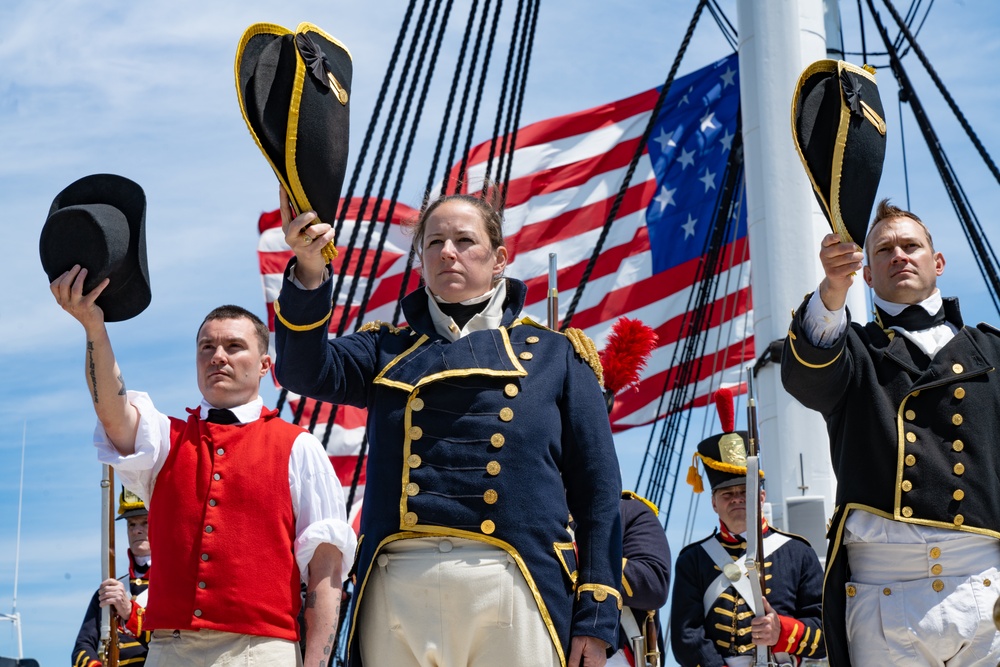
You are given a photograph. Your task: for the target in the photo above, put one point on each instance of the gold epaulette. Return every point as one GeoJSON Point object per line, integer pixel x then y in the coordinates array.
{"type": "Point", "coordinates": [635, 496]}
{"type": "Point", "coordinates": [378, 324]}
{"type": "Point", "coordinates": [587, 351]}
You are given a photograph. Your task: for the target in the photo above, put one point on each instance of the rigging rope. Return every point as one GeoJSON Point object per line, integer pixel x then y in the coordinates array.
{"type": "Point", "coordinates": [639, 150]}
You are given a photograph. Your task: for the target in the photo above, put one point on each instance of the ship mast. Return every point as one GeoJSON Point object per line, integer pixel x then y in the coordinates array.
{"type": "Point", "coordinates": [777, 40]}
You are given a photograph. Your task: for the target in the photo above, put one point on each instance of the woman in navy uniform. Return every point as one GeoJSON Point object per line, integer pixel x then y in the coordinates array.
{"type": "Point", "coordinates": [487, 429]}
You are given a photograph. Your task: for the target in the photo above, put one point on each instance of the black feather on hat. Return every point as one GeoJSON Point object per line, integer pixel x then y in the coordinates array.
{"type": "Point", "coordinates": [839, 131]}
{"type": "Point", "coordinates": [294, 93]}
{"type": "Point", "coordinates": [99, 222]}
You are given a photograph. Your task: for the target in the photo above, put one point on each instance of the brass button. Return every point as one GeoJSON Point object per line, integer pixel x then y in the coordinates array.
{"type": "Point", "coordinates": [415, 433]}
{"type": "Point", "coordinates": [938, 585]}
{"type": "Point", "coordinates": [209, 529]}
{"type": "Point", "coordinates": [987, 583]}
{"type": "Point", "coordinates": [417, 404]}
{"type": "Point", "coordinates": [957, 419]}
{"type": "Point", "coordinates": [531, 340]}
{"type": "Point", "coordinates": [958, 520]}
{"type": "Point", "coordinates": [490, 496]}
{"type": "Point", "coordinates": [851, 591]}
{"type": "Point", "coordinates": [957, 368]}
{"type": "Point", "coordinates": [906, 485]}
{"type": "Point", "coordinates": [412, 489]}
{"type": "Point", "coordinates": [510, 390]}
{"type": "Point", "coordinates": [958, 445]}
{"type": "Point", "coordinates": [506, 414]}
{"type": "Point", "coordinates": [600, 595]}
{"type": "Point", "coordinates": [911, 437]}
{"type": "Point", "coordinates": [958, 495]}
{"type": "Point", "coordinates": [453, 327]}
{"type": "Point", "coordinates": [959, 469]}
{"type": "Point", "coordinates": [959, 393]}
{"type": "Point", "coordinates": [910, 414]}
{"type": "Point", "coordinates": [886, 591]}
{"type": "Point", "coordinates": [410, 518]}
{"type": "Point", "coordinates": [526, 355]}
{"type": "Point", "coordinates": [493, 468]}
{"type": "Point", "coordinates": [487, 527]}
{"type": "Point", "coordinates": [907, 512]}
{"type": "Point", "coordinates": [413, 460]}
{"type": "Point", "coordinates": [497, 440]}
{"type": "Point", "coordinates": [935, 552]}
{"type": "Point", "coordinates": [910, 460]}
{"type": "Point", "coordinates": [936, 569]}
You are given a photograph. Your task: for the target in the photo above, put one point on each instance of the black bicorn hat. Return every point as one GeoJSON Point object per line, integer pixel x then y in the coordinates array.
{"type": "Point", "coordinates": [99, 222]}
{"type": "Point", "coordinates": [838, 126]}
{"type": "Point", "coordinates": [294, 93]}
{"type": "Point", "coordinates": [130, 505]}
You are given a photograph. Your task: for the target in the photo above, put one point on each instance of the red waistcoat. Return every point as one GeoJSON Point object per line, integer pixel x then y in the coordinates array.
{"type": "Point", "coordinates": [222, 529]}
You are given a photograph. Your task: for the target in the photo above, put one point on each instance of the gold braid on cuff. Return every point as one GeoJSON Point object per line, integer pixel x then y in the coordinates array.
{"type": "Point", "coordinates": [299, 327]}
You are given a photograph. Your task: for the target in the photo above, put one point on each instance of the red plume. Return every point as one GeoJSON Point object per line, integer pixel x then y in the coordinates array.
{"type": "Point", "coordinates": [727, 413]}
{"type": "Point", "coordinates": [628, 349]}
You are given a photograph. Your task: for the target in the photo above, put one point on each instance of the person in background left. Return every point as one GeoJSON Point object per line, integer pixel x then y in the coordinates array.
{"type": "Point", "coordinates": [129, 606]}
{"type": "Point", "coordinates": [231, 543]}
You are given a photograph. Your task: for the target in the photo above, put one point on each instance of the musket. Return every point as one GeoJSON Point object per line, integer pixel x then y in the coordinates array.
{"type": "Point", "coordinates": [755, 531]}
{"type": "Point", "coordinates": [109, 620]}
{"type": "Point", "coordinates": [553, 293]}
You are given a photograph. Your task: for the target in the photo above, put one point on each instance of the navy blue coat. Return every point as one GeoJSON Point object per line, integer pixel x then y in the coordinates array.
{"type": "Point", "coordinates": [496, 437]}
{"type": "Point", "coordinates": [646, 563]}
{"type": "Point", "coordinates": [131, 650]}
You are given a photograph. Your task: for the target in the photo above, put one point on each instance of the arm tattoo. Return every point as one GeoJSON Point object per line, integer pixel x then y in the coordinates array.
{"type": "Point", "coordinates": [121, 392]}
{"type": "Point", "coordinates": [311, 600]}
{"type": "Point", "coordinates": [93, 369]}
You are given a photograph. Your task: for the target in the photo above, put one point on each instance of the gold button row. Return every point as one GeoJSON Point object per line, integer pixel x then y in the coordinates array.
{"type": "Point", "coordinates": [506, 414]}
{"type": "Point", "coordinates": [936, 569]}
{"type": "Point", "coordinates": [910, 460]}
{"type": "Point", "coordinates": [497, 440]}
{"type": "Point", "coordinates": [935, 552]}
{"type": "Point", "coordinates": [958, 445]}
{"type": "Point", "coordinates": [957, 419]}
{"type": "Point", "coordinates": [910, 414]}
{"type": "Point", "coordinates": [526, 355]}
{"type": "Point", "coordinates": [957, 368]}
{"type": "Point", "coordinates": [493, 468]}
{"type": "Point", "coordinates": [907, 485]}
{"type": "Point", "coordinates": [490, 497]}
{"type": "Point", "coordinates": [417, 404]}
{"type": "Point", "coordinates": [531, 340]}
{"type": "Point", "coordinates": [938, 585]}
{"type": "Point", "coordinates": [510, 390]}
{"type": "Point", "coordinates": [851, 591]}
{"type": "Point", "coordinates": [415, 433]}
{"type": "Point", "coordinates": [911, 437]}
{"type": "Point", "coordinates": [959, 393]}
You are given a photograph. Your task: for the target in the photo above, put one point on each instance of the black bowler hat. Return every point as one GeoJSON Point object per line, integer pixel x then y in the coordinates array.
{"type": "Point", "coordinates": [130, 505]}
{"type": "Point", "coordinates": [839, 130]}
{"type": "Point", "coordinates": [99, 222]}
{"type": "Point", "coordinates": [294, 93]}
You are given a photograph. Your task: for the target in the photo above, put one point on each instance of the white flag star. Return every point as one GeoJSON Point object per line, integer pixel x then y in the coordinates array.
{"type": "Point", "coordinates": [665, 198]}
{"type": "Point", "coordinates": [684, 100]}
{"type": "Point", "coordinates": [708, 121]}
{"type": "Point", "coordinates": [665, 140]}
{"type": "Point", "coordinates": [686, 158]}
{"type": "Point", "coordinates": [727, 77]}
{"type": "Point", "coordinates": [709, 180]}
{"type": "Point", "coordinates": [727, 140]}
{"type": "Point", "coordinates": [689, 227]}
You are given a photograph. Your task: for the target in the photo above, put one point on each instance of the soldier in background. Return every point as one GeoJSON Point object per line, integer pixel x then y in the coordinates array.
{"type": "Point", "coordinates": [128, 603]}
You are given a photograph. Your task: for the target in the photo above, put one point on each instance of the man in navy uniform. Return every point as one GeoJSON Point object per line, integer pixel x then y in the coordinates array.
{"type": "Point", "coordinates": [712, 621]}
{"type": "Point", "coordinates": [910, 401]}
{"type": "Point", "coordinates": [129, 604]}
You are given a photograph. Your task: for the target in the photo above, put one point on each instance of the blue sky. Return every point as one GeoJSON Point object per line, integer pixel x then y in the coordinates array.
{"type": "Point", "coordinates": [146, 90]}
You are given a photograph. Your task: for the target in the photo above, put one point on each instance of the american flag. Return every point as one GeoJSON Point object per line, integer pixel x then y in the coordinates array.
{"type": "Point", "coordinates": [565, 174]}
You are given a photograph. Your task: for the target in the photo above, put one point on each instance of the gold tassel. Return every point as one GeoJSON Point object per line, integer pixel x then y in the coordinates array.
{"type": "Point", "coordinates": [694, 477]}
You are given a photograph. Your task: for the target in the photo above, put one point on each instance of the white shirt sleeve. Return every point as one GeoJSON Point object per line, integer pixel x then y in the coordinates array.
{"type": "Point", "coordinates": [138, 471]}
{"type": "Point", "coordinates": [319, 506]}
{"type": "Point", "coordinates": [823, 326]}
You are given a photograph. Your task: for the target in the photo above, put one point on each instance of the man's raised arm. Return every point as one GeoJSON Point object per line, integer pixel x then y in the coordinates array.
{"type": "Point", "coordinates": [104, 379]}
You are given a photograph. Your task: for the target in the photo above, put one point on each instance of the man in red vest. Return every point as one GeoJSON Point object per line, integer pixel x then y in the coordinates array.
{"type": "Point", "coordinates": [243, 506]}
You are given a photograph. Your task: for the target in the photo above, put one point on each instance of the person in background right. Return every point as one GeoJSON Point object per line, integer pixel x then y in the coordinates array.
{"type": "Point", "coordinates": [911, 405]}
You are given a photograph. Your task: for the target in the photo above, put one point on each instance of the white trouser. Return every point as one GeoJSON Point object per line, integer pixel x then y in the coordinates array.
{"type": "Point", "coordinates": [211, 648]}
{"type": "Point", "coordinates": [923, 604]}
{"type": "Point", "coordinates": [449, 602]}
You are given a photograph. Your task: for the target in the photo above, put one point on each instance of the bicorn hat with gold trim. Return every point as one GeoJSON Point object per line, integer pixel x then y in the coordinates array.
{"type": "Point", "coordinates": [723, 456]}
{"type": "Point", "coordinates": [839, 131]}
{"type": "Point", "coordinates": [99, 222]}
{"type": "Point", "coordinates": [130, 504]}
{"type": "Point", "coordinates": [294, 92]}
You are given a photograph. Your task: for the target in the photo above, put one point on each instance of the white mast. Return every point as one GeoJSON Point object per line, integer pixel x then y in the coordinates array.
{"type": "Point", "coordinates": [14, 616]}
{"type": "Point", "coordinates": [776, 42]}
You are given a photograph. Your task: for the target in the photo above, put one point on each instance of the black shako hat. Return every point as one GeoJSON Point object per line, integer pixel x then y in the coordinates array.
{"type": "Point", "coordinates": [839, 131]}
{"type": "Point", "coordinates": [294, 93]}
{"type": "Point", "coordinates": [724, 457]}
{"type": "Point", "coordinates": [130, 505]}
{"type": "Point", "coordinates": [99, 222]}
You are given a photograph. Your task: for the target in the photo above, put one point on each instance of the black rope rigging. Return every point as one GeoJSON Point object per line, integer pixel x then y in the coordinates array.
{"type": "Point", "coordinates": [527, 45]}
{"type": "Point", "coordinates": [725, 27]}
{"type": "Point", "coordinates": [639, 150]}
{"type": "Point", "coordinates": [681, 386]}
{"type": "Point", "coordinates": [982, 251]}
